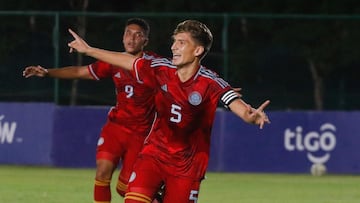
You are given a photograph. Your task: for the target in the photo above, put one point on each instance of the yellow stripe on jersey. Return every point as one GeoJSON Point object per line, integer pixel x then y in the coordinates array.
{"type": "Point", "coordinates": [121, 186]}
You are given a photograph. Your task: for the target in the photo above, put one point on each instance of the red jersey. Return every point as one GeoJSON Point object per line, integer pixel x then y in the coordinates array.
{"type": "Point", "coordinates": [134, 101]}
{"type": "Point", "coordinates": [181, 134]}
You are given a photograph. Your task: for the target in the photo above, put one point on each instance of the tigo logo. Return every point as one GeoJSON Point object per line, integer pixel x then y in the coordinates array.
{"type": "Point", "coordinates": [313, 142]}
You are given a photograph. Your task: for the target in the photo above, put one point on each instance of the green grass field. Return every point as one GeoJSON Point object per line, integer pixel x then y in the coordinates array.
{"type": "Point", "coordinates": [54, 185]}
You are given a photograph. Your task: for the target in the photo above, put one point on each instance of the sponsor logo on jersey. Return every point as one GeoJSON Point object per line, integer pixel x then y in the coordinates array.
{"type": "Point", "coordinates": [117, 75]}
{"type": "Point", "coordinates": [195, 98]}
{"type": "Point", "coordinates": [164, 87]}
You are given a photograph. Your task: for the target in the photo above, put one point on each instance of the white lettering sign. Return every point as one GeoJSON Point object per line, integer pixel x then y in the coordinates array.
{"type": "Point", "coordinates": [7, 131]}
{"type": "Point", "coordinates": [324, 140]}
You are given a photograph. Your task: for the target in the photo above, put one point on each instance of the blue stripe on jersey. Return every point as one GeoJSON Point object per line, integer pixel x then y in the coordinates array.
{"type": "Point", "coordinates": [228, 97]}
{"type": "Point", "coordinates": [161, 62]}
{"type": "Point", "coordinates": [147, 56]}
{"type": "Point", "coordinates": [212, 75]}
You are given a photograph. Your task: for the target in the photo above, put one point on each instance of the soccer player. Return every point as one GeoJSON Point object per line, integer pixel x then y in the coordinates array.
{"type": "Point", "coordinates": [177, 150]}
{"type": "Point", "coordinates": [129, 121]}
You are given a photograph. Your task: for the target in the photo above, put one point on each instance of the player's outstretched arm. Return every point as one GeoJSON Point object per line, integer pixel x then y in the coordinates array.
{"type": "Point", "coordinates": [249, 114]}
{"type": "Point", "coordinates": [122, 60]}
{"type": "Point", "coordinates": [70, 72]}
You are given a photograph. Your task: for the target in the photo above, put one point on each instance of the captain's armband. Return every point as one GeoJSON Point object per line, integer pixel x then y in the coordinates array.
{"type": "Point", "coordinates": [229, 97]}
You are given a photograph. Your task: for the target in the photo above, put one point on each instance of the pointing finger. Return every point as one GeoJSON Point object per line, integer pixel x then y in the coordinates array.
{"type": "Point", "coordinates": [263, 105]}
{"type": "Point", "coordinates": [74, 34]}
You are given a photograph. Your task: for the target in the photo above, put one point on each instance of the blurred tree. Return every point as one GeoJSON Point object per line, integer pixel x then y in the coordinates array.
{"type": "Point", "coordinates": [321, 41]}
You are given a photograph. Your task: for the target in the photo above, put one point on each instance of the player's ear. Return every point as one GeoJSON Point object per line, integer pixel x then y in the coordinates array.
{"type": "Point", "coordinates": [199, 50]}
{"type": "Point", "coordinates": [146, 41]}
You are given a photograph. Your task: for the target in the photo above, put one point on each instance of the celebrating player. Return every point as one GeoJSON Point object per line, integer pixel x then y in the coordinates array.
{"type": "Point", "coordinates": [177, 150]}
{"type": "Point", "coordinates": [129, 121]}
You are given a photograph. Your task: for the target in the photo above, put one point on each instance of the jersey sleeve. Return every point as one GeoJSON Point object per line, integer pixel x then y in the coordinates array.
{"type": "Point", "coordinates": [225, 91]}
{"type": "Point", "coordinates": [144, 73]}
{"type": "Point", "coordinates": [100, 70]}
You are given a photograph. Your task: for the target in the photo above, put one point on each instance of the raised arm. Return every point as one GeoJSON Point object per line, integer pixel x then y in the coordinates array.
{"type": "Point", "coordinates": [122, 60]}
{"type": "Point", "coordinates": [249, 114]}
{"type": "Point", "coordinates": [70, 72]}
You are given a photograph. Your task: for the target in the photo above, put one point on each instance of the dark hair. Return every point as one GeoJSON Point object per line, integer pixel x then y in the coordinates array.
{"type": "Point", "coordinates": [199, 32]}
{"type": "Point", "coordinates": [140, 22]}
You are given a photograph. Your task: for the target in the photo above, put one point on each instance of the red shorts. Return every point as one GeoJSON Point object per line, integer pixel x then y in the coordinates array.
{"type": "Point", "coordinates": [149, 175]}
{"type": "Point", "coordinates": [118, 142]}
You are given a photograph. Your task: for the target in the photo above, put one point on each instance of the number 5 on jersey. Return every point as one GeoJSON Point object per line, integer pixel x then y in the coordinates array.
{"type": "Point", "coordinates": [175, 111]}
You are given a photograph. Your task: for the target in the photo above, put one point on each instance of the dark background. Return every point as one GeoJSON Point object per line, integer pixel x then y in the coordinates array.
{"type": "Point", "coordinates": [302, 55]}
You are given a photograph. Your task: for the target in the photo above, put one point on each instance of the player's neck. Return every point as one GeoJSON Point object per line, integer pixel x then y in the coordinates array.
{"type": "Point", "coordinates": [138, 54]}
{"type": "Point", "coordinates": [187, 71]}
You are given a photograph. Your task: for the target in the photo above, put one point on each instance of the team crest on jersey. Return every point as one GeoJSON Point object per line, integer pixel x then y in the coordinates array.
{"type": "Point", "coordinates": [195, 98]}
{"type": "Point", "coordinates": [132, 177]}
